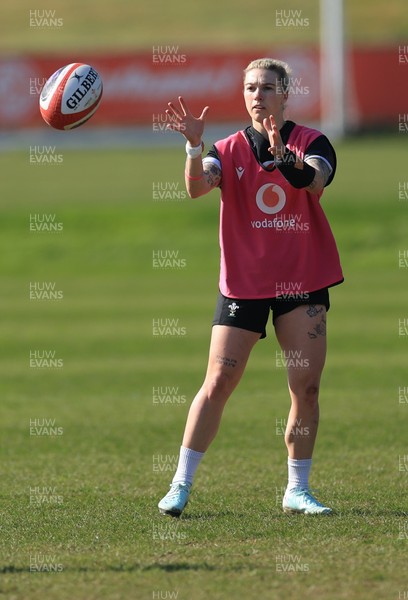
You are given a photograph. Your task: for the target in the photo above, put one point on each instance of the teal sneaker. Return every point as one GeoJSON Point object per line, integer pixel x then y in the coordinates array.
{"type": "Point", "coordinates": [175, 500]}
{"type": "Point", "coordinates": [302, 501]}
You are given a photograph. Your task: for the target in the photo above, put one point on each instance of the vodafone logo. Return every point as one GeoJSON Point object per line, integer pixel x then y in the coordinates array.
{"type": "Point", "coordinates": [270, 198]}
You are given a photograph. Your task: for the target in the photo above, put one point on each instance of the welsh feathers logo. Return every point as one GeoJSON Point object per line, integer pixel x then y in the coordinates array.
{"type": "Point", "coordinates": [233, 309]}
{"type": "Point", "coordinates": [270, 198]}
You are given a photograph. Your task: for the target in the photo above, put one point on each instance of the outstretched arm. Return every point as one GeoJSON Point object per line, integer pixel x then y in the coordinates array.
{"type": "Point", "coordinates": [200, 179]}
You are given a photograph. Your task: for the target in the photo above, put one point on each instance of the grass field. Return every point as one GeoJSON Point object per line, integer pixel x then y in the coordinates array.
{"type": "Point", "coordinates": [82, 502]}
{"type": "Point", "coordinates": [125, 24]}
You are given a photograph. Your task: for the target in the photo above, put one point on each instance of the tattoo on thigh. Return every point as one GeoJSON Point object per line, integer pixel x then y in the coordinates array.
{"type": "Point", "coordinates": [319, 329]}
{"type": "Point", "coordinates": [312, 310]}
{"type": "Point", "coordinates": [224, 360]}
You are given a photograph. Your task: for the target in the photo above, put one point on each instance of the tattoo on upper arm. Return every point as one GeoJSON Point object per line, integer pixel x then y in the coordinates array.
{"type": "Point", "coordinates": [322, 169]}
{"type": "Point", "coordinates": [212, 174]}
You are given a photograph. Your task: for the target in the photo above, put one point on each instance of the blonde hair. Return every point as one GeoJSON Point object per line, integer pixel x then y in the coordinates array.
{"type": "Point", "coordinates": [281, 68]}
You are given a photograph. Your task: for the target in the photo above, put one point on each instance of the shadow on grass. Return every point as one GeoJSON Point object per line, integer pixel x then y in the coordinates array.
{"type": "Point", "coordinates": [180, 567]}
{"type": "Point", "coordinates": [122, 568]}
{"type": "Point", "coordinates": [208, 515]}
{"type": "Point", "coordinates": [13, 569]}
{"type": "Point", "coordinates": [367, 512]}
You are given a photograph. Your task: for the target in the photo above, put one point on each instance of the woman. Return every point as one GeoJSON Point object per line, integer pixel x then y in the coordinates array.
{"type": "Point", "coordinates": [277, 253]}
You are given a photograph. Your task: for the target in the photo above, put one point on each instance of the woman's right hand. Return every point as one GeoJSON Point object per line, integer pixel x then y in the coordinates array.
{"type": "Point", "coordinates": [183, 121]}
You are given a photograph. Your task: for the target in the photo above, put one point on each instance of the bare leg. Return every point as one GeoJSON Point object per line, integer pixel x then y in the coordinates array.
{"type": "Point", "coordinates": [302, 335]}
{"type": "Point", "coordinates": [229, 351]}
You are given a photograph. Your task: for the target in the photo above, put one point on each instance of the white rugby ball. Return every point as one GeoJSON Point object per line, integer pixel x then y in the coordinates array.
{"type": "Point", "coordinates": [71, 96]}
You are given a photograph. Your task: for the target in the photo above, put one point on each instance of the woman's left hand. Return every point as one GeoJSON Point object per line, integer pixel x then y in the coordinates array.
{"type": "Point", "coordinates": [277, 147]}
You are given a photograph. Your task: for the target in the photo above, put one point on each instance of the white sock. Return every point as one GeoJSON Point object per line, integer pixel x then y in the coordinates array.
{"type": "Point", "coordinates": [187, 465]}
{"type": "Point", "coordinates": [298, 473]}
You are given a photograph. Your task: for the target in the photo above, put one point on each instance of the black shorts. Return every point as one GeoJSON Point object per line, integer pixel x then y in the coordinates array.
{"type": "Point", "coordinates": [253, 314]}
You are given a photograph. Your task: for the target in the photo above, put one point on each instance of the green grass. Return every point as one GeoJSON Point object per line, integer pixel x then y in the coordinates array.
{"type": "Point", "coordinates": [123, 24]}
{"type": "Point", "coordinates": [106, 533]}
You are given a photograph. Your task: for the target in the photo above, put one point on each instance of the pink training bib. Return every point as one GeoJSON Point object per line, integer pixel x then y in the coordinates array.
{"type": "Point", "coordinates": [274, 238]}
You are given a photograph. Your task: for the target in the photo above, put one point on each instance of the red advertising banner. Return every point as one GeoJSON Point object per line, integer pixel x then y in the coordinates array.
{"type": "Point", "coordinates": [380, 85]}
{"type": "Point", "coordinates": [137, 86]}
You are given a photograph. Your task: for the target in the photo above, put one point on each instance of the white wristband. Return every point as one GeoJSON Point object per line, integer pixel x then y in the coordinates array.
{"type": "Point", "coordinates": [194, 151]}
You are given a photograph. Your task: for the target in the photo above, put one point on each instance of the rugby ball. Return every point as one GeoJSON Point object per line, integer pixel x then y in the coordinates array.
{"type": "Point", "coordinates": [71, 96]}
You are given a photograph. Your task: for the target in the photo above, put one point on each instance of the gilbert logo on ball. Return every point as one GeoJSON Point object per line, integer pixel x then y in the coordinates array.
{"type": "Point", "coordinates": [71, 96]}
